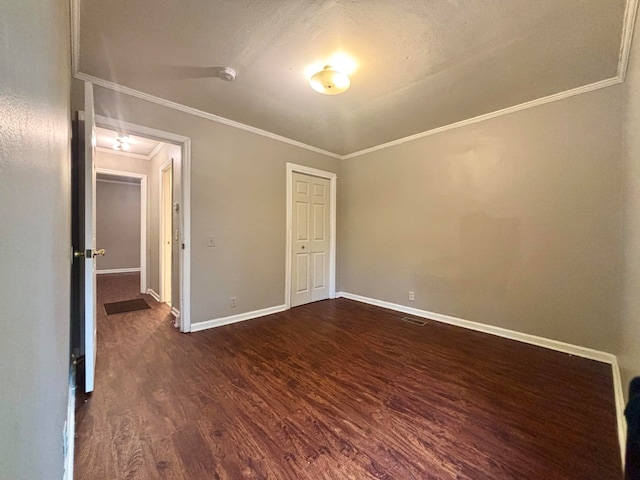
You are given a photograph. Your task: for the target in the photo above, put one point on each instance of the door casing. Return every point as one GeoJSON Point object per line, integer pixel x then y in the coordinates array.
{"type": "Point", "coordinates": [333, 179]}
{"type": "Point", "coordinates": [184, 203]}
{"type": "Point", "coordinates": [166, 269]}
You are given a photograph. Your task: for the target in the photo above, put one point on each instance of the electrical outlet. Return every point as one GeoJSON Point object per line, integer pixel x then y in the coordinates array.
{"type": "Point", "coordinates": [412, 297]}
{"type": "Point", "coordinates": [234, 302]}
{"type": "Point", "coordinates": [211, 242]}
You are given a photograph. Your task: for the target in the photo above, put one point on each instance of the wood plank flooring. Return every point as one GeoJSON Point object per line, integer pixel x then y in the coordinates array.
{"type": "Point", "coordinates": [336, 390]}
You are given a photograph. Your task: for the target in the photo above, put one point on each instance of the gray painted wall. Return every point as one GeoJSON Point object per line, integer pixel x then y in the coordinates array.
{"type": "Point", "coordinates": [514, 222]}
{"type": "Point", "coordinates": [629, 352]}
{"type": "Point", "coordinates": [35, 244]}
{"type": "Point", "coordinates": [238, 194]}
{"type": "Point", "coordinates": [118, 224]}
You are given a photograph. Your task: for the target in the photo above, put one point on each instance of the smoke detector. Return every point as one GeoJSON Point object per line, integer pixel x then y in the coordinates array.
{"type": "Point", "coordinates": [227, 74]}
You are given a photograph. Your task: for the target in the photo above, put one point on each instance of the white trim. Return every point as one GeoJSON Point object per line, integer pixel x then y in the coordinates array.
{"type": "Point", "coordinates": [161, 266]}
{"type": "Point", "coordinates": [185, 206]}
{"type": "Point", "coordinates": [218, 322]}
{"type": "Point", "coordinates": [332, 177]}
{"type": "Point", "coordinates": [498, 331]}
{"type": "Point", "coordinates": [627, 37]}
{"type": "Point", "coordinates": [124, 153]}
{"type": "Point", "coordinates": [143, 218]}
{"type": "Point", "coordinates": [631, 7]}
{"type": "Point", "coordinates": [480, 118]}
{"type": "Point", "coordinates": [116, 270]}
{"type": "Point", "coordinates": [619, 397]}
{"type": "Point", "coordinates": [121, 173]}
{"type": "Point", "coordinates": [563, 347]}
{"type": "Point", "coordinates": [111, 151]}
{"type": "Point", "coordinates": [185, 231]}
{"type": "Point", "coordinates": [487, 116]}
{"type": "Point", "coordinates": [176, 314]}
{"type": "Point", "coordinates": [155, 151]}
{"type": "Point", "coordinates": [75, 36]}
{"type": "Point", "coordinates": [155, 296]}
{"type": "Point", "coordinates": [140, 130]}
{"type": "Point", "coordinates": [119, 182]}
{"type": "Point", "coordinates": [199, 113]}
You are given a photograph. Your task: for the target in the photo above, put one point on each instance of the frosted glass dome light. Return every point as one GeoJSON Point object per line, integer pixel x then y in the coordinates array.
{"type": "Point", "coordinates": [330, 82]}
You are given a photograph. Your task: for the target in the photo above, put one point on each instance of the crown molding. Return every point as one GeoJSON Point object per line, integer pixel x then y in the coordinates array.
{"type": "Point", "coordinates": [628, 27]}
{"type": "Point", "coordinates": [487, 116]}
{"type": "Point", "coordinates": [155, 151]}
{"type": "Point", "coordinates": [120, 153]}
{"type": "Point", "coordinates": [199, 113]}
{"type": "Point", "coordinates": [630, 14]}
{"type": "Point", "coordinates": [74, 11]}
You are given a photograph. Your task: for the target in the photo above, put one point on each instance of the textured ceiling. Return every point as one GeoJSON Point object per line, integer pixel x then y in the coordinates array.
{"type": "Point", "coordinates": [139, 146]}
{"type": "Point", "coordinates": [420, 65]}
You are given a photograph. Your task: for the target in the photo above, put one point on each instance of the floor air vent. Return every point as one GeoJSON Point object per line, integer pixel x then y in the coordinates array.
{"type": "Point", "coordinates": [414, 321]}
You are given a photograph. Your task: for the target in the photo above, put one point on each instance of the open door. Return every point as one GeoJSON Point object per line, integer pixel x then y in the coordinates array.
{"type": "Point", "coordinates": [87, 236]}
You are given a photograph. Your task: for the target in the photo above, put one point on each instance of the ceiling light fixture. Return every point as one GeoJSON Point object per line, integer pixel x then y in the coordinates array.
{"type": "Point", "coordinates": [122, 142]}
{"type": "Point", "coordinates": [330, 82]}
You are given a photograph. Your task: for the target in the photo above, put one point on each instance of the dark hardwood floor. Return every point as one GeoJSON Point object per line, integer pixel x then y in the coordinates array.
{"type": "Point", "coordinates": [336, 390]}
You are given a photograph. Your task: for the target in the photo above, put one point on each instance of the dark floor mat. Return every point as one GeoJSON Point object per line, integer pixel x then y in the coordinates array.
{"type": "Point", "coordinates": [126, 306]}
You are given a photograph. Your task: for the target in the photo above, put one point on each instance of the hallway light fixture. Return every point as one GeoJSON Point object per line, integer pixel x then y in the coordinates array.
{"type": "Point", "coordinates": [329, 81]}
{"type": "Point", "coordinates": [123, 142]}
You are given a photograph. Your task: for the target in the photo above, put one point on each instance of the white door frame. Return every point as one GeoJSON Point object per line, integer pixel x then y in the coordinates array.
{"type": "Point", "coordinates": [184, 203]}
{"type": "Point", "coordinates": [332, 177]}
{"type": "Point", "coordinates": [143, 219]}
{"type": "Point", "coordinates": [161, 265]}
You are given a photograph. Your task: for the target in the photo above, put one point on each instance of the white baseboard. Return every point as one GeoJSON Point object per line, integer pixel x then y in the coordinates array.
{"type": "Point", "coordinates": [481, 327]}
{"type": "Point", "coordinates": [576, 350]}
{"type": "Point", "coordinates": [218, 322]}
{"type": "Point", "coordinates": [155, 296]}
{"type": "Point", "coordinates": [117, 270]}
{"type": "Point", "coordinates": [176, 317]}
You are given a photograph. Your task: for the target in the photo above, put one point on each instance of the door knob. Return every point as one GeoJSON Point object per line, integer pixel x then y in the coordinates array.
{"type": "Point", "coordinates": [89, 253]}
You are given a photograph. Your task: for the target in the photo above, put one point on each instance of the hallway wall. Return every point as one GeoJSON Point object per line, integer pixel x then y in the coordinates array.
{"type": "Point", "coordinates": [118, 224]}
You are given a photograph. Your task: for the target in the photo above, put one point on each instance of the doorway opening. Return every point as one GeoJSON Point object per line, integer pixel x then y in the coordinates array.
{"type": "Point", "coordinates": [121, 222]}
{"type": "Point", "coordinates": [167, 215]}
